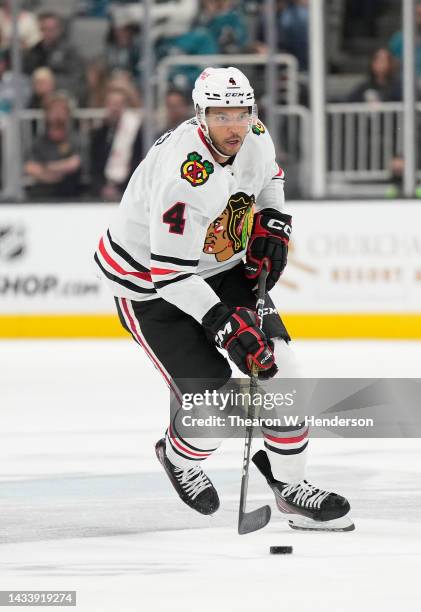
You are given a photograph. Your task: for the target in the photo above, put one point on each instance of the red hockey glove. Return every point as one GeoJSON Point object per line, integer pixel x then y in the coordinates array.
{"type": "Point", "coordinates": [269, 240]}
{"type": "Point", "coordinates": [237, 331]}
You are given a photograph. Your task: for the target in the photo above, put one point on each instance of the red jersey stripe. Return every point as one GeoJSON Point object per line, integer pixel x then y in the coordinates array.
{"type": "Point", "coordinates": [152, 357]}
{"type": "Point", "coordinates": [110, 261]}
{"type": "Point", "coordinates": [156, 271]}
{"type": "Point", "coordinates": [286, 440]}
{"type": "Point", "coordinates": [183, 448]}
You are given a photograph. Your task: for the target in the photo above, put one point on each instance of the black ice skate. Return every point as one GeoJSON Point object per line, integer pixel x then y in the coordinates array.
{"type": "Point", "coordinates": [192, 484]}
{"type": "Point", "coordinates": [311, 509]}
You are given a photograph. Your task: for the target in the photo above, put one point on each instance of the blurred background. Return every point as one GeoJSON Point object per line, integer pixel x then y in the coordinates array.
{"type": "Point", "coordinates": [87, 86]}
{"type": "Point", "coordinates": [82, 64]}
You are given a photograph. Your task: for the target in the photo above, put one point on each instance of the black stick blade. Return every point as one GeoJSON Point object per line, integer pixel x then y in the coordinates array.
{"type": "Point", "coordinates": [253, 521]}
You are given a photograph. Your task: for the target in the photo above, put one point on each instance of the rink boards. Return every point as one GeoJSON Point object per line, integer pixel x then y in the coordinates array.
{"type": "Point", "coordinates": [354, 271]}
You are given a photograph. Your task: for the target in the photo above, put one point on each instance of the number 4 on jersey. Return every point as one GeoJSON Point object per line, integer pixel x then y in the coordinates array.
{"type": "Point", "coordinates": [174, 216]}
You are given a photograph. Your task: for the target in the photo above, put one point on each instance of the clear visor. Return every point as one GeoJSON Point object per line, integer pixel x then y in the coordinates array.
{"type": "Point", "coordinates": [230, 117]}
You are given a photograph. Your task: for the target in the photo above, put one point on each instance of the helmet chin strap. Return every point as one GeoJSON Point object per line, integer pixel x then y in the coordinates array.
{"type": "Point", "coordinates": [209, 140]}
{"type": "Point", "coordinates": [205, 131]}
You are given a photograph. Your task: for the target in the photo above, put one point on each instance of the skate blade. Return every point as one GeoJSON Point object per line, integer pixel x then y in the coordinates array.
{"type": "Point", "coordinates": [302, 523]}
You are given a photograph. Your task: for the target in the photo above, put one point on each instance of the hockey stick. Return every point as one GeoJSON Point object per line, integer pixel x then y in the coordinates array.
{"type": "Point", "coordinates": [259, 518]}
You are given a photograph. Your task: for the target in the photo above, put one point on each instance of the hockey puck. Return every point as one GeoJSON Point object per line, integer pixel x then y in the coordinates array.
{"type": "Point", "coordinates": [281, 550]}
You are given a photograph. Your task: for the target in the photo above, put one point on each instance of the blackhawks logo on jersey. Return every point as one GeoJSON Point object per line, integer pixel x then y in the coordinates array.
{"type": "Point", "coordinates": [258, 128]}
{"type": "Point", "coordinates": [196, 171]}
{"type": "Point", "coordinates": [230, 232]}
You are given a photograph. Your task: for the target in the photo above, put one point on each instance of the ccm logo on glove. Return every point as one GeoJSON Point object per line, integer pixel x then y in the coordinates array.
{"type": "Point", "coordinates": [219, 338]}
{"type": "Point", "coordinates": [269, 240]}
{"type": "Point", "coordinates": [277, 224]}
{"type": "Point", "coordinates": [237, 331]}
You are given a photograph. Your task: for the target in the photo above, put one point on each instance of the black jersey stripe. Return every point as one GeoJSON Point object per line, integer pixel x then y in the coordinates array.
{"type": "Point", "coordinates": [160, 284]}
{"type": "Point", "coordinates": [175, 260]}
{"type": "Point", "coordinates": [125, 255]}
{"type": "Point", "coordinates": [286, 451]}
{"type": "Point", "coordinates": [120, 281]}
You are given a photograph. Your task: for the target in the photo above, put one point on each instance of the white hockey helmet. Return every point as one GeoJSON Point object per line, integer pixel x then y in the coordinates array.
{"type": "Point", "coordinates": [223, 88]}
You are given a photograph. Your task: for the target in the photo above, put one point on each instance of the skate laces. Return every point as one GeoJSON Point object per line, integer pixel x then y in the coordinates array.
{"type": "Point", "coordinates": [305, 494]}
{"type": "Point", "coordinates": [193, 480]}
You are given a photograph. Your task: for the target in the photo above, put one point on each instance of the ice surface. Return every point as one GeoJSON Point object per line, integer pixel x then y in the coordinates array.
{"type": "Point", "coordinates": [85, 506]}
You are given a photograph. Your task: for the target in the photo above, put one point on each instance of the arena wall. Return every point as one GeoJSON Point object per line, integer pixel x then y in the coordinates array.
{"type": "Point", "coordinates": [354, 271]}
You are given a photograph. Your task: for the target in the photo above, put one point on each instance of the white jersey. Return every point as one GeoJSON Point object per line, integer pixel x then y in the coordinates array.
{"type": "Point", "coordinates": [184, 217]}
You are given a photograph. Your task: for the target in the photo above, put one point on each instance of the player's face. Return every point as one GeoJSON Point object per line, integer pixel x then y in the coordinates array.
{"type": "Point", "coordinates": [227, 128]}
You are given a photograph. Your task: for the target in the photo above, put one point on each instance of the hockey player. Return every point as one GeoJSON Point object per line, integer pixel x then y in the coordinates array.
{"type": "Point", "coordinates": [207, 195]}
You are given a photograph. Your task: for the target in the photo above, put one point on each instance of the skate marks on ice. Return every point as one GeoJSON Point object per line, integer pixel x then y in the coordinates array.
{"type": "Point", "coordinates": [87, 506]}
{"type": "Point", "coordinates": [375, 569]}
{"type": "Point", "coordinates": [92, 506]}
{"type": "Point", "coordinates": [84, 504]}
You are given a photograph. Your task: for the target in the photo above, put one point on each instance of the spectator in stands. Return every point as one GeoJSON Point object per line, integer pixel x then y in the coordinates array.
{"type": "Point", "coordinates": [116, 147]}
{"type": "Point", "coordinates": [28, 29]}
{"type": "Point", "coordinates": [361, 17]}
{"type": "Point", "coordinates": [382, 84]}
{"type": "Point", "coordinates": [178, 108]}
{"type": "Point", "coordinates": [7, 94]}
{"type": "Point", "coordinates": [124, 81]}
{"type": "Point", "coordinates": [169, 18]}
{"type": "Point", "coordinates": [122, 50]}
{"type": "Point", "coordinates": [227, 25]}
{"type": "Point", "coordinates": [294, 30]}
{"type": "Point", "coordinates": [54, 164]}
{"type": "Point", "coordinates": [96, 84]}
{"type": "Point", "coordinates": [397, 170]}
{"type": "Point", "coordinates": [103, 8]}
{"type": "Point", "coordinates": [9, 89]}
{"type": "Point", "coordinates": [55, 52]}
{"type": "Point", "coordinates": [173, 32]}
{"type": "Point", "coordinates": [97, 8]}
{"type": "Point", "coordinates": [98, 81]}
{"type": "Point", "coordinates": [197, 41]}
{"type": "Point", "coordinates": [43, 86]}
{"type": "Point", "coordinates": [396, 41]}
{"type": "Point", "coordinates": [292, 18]}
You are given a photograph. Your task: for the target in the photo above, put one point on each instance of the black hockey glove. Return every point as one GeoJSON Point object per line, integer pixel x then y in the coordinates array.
{"type": "Point", "coordinates": [237, 331]}
{"type": "Point", "coordinates": [269, 240]}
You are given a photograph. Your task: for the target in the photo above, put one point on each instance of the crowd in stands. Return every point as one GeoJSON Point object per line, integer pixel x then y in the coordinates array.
{"type": "Point", "coordinates": [57, 77]}
{"type": "Point", "coordinates": [54, 163]}
{"type": "Point", "coordinates": [383, 82]}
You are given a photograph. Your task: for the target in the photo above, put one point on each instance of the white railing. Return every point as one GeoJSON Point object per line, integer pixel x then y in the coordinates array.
{"type": "Point", "coordinates": [293, 127]}
{"type": "Point", "coordinates": [363, 138]}
{"type": "Point", "coordinates": [293, 124]}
